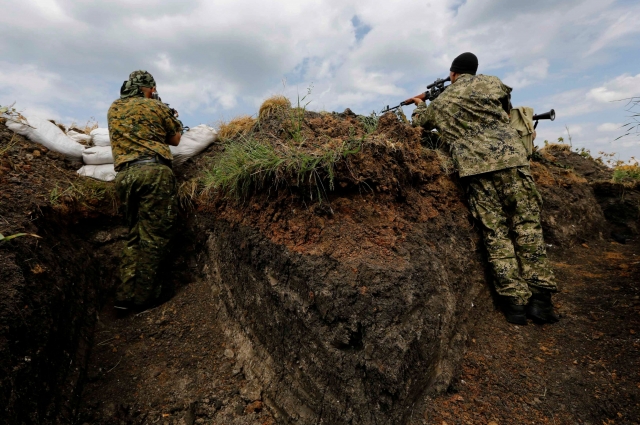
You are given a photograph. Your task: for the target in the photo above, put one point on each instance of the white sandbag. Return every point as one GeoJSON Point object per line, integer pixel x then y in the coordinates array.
{"type": "Point", "coordinates": [193, 142]}
{"type": "Point", "coordinates": [79, 136]}
{"type": "Point", "coordinates": [97, 155]}
{"type": "Point", "coordinates": [100, 137]}
{"type": "Point", "coordinates": [104, 172]}
{"type": "Point", "coordinates": [47, 134]}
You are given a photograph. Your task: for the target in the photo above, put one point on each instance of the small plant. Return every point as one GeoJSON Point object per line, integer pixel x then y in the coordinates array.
{"type": "Point", "coordinates": [369, 123]}
{"type": "Point", "coordinates": [586, 153]}
{"type": "Point", "coordinates": [633, 126]}
{"type": "Point", "coordinates": [569, 136]}
{"type": "Point", "coordinates": [629, 172]}
{"type": "Point", "coordinates": [9, 145]}
{"type": "Point", "coordinates": [4, 239]}
{"type": "Point", "coordinates": [296, 117]}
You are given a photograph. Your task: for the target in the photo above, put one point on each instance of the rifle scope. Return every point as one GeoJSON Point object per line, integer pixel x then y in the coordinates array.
{"type": "Point", "coordinates": [439, 81]}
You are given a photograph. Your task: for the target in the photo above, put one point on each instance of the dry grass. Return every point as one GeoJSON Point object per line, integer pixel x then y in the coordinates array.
{"type": "Point", "coordinates": [557, 147]}
{"type": "Point", "coordinates": [273, 105]}
{"type": "Point", "coordinates": [91, 125]}
{"type": "Point", "coordinates": [239, 126]}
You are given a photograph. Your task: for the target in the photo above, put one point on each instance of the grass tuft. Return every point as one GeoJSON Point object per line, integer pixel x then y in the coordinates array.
{"type": "Point", "coordinates": [626, 173]}
{"type": "Point", "coordinates": [273, 105]}
{"type": "Point", "coordinates": [557, 147]}
{"type": "Point", "coordinates": [250, 164]}
{"type": "Point", "coordinates": [238, 127]}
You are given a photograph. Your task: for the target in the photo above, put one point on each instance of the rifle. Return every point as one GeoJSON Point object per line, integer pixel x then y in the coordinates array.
{"type": "Point", "coordinates": [434, 90]}
{"type": "Point", "coordinates": [173, 111]}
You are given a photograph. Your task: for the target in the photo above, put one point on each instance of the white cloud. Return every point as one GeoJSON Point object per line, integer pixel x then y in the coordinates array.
{"type": "Point", "coordinates": [609, 127]}
{"type": "Point", "coordinates": [627, 23]}
{"type": "Point", "coordinates": [582, 101]}
{"type": "Point", "coordinates": [213, 58]}
{"type": "Point", "coordinates": [537, 71]}
{"type": "Point", "coordinates": [623, 87]}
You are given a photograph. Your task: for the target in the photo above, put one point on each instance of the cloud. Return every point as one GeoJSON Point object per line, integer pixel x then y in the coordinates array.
{"type": "Point", "coordinates": [609, 127]}
{"type": "Point", "coordinates": [215, 59]}
{"type": "Point", "coordinates": [623, 87]}
{"type": "Point", "coordinates": [529, 74]}
{"type": "Point", "coordinates": [582, 101]}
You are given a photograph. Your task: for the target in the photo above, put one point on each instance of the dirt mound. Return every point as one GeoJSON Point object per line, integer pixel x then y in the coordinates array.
{"type": "Point", "coordinates": [343, 274]}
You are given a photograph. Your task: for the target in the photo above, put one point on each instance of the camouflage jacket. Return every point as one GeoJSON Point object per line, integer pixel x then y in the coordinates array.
{"type": "Point", "coordinates": [471, 117]}
{"type": "Point", "coordinates": [138, 128]}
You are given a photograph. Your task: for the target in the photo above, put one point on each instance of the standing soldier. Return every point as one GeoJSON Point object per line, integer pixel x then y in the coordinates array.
{"type": "Point", "coordinates": [141, 129]}
{"type": "Point", "coordinates": [472, 117]}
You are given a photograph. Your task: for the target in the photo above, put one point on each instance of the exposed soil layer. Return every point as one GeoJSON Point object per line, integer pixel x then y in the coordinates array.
{"type": "Point", "coordinates": [50, 287]}
{"type": "Point", "coordinates": [356, 310]}
{"type": "Point", "coordinates": [583, 370]}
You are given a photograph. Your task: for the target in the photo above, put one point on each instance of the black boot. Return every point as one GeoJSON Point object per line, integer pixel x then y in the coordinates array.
{"type": "Point", "coordinates": [513, 312]}
{"type": "Point", "coordinates": [540, 308]}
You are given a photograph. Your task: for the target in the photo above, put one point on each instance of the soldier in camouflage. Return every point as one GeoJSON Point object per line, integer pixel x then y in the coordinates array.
{"type": "Point", "coordinates": [141, 129]}
{"type": "Point", "coordinates": [472, 118]}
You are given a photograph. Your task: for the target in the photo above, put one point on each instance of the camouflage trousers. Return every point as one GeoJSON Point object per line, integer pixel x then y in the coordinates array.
{"type": "Point", "coordinates": [148, 193]}
{"type": "Point", "coordinates": [507, 205]}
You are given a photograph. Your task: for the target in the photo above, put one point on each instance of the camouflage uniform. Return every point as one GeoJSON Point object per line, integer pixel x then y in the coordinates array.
{"type": "Point", "coordinates": [471, 117]}
{"type": "Point", "coordinates": [138, 128]}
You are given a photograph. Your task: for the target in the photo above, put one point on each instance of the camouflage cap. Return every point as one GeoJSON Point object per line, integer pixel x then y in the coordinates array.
{"type": "Point", "coordinates": [137, 79]}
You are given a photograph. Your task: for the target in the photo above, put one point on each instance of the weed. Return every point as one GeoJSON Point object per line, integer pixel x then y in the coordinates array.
{"type": "Point", "coordinates": [9, 145]}
{"type": "Point", "coordinates": [369, 123]}
{"type": "Point", "coordinates": [625, 173]}
{"type": "Point", "coordinates": [296, 117]}
{"type": "Point", "coordinates": [4, 239]}
{"type": "Point", "coordinates": [633, 126]}
{"type": "Point", "coordinates": [87, 192]}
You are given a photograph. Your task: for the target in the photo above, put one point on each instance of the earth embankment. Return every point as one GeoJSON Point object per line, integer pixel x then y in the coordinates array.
{"type": "Point", "coordinates": [345, 309]}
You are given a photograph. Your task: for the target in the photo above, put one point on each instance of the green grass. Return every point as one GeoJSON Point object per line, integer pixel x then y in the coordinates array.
{"type": "Point", "coordinates": [626, 173]}
{"type": "Point", "coordinates": [248, 164]}
{"type": "Point", "coordinates": [17, 235]}
{"type": "Point", "coordinates": [86, 191]}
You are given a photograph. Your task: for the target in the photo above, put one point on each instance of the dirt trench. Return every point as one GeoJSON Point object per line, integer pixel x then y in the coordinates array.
{"type": "Point", "coordinates": [285, 312]}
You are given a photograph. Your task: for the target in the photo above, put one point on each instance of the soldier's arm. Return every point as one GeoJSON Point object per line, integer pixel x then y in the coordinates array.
{"type": "Point", "coordinates": [172, 127]}
{"type": "Point", "coordinates": [174, 140]}
{"type": "Point", "coordinates": [423, 117]}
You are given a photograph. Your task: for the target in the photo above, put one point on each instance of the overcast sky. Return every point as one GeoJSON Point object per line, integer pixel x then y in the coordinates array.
{"type": "Point", "coordinates": [213, 60]}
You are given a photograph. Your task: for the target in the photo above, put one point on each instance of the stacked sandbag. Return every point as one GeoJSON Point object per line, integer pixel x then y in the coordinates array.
{"type": "Point", "coordinates": [104, 172]}
{"type": "Point", "coordinates": [100, 137]}
{"type": "Point", "coordinates": [46, 133]}
{"type": "Point", "coordinates": [193, 142]}
{"type": "Point", "coordinates": [79, 136]}
{"type": "Point", "coordinates": [98, 159]}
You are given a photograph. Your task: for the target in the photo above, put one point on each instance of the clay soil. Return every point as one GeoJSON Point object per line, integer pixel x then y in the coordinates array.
{"type": "Point", "coordinates": [174, 365]}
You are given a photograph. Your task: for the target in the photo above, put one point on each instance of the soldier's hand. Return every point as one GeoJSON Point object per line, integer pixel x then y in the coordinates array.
{"type": "Point", "coordinates": [534, 135]}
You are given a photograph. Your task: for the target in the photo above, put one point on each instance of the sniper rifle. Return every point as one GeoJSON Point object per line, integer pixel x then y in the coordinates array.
{"type": "Point", "coordinates": [434, 90]}
{"type": "Point", "coordinates": [173, 111]}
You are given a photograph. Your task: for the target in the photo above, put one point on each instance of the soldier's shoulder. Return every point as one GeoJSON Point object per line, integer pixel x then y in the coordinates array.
{"type": "Point", "coordinates": [489, 83]}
